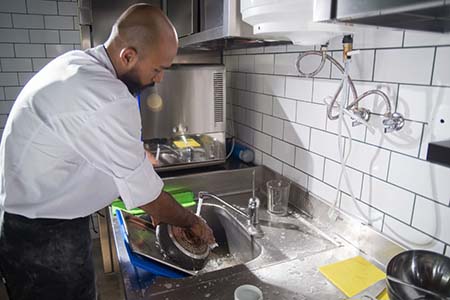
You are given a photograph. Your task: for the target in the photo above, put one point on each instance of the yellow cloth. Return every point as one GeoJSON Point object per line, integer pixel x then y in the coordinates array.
{"type": "Point", "coordinates": [189, 143]}
{"type": "Point", "coordinates": [353, 275]}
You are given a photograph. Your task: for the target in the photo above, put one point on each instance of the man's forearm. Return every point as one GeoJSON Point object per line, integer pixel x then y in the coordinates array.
{"type": "Point", "coordinates": [166, 209]}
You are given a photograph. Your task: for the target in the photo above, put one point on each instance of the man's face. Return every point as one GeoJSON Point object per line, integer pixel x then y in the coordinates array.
{"type": "Point", "coordinates": [148, 70]}
{"type": "Point", "coordinates": [131, 80]}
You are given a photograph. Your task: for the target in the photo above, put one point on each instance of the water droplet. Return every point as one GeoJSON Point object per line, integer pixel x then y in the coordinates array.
{"type": "Point", "coordinates": [168, 285]}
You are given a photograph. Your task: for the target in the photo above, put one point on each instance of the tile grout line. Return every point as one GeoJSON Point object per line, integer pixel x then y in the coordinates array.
{"type": "Point", "coordinates": [433, 66]}
{"type": "Point", "coordinates": [389, 166]}
{"type": "Point", "coordinates": [340, 49]}
{"type": "Point", "coordinates": [362, 185]}
{"type": "Point", "coordinates": [403, 38]}
{"type": "Point", "coordinates": [382, 222]}
{"type": "Point", "coordinates": [337, 80]}
{"type": "Point", "coordinates": [413, 209]}
{"type": "Point", "coordinates": [421, 141]}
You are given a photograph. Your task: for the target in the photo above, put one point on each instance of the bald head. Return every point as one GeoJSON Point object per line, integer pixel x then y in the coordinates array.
{"type": "Point", "coordinates": [143, 42]}
{"type": "Point", "coordinates": [143, 27]}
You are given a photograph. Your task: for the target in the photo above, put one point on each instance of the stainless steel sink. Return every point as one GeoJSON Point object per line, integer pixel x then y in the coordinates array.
{"type": "Point", "coordinates": [236, 245]}
{"type": "Point", "coordinates": [169, 159]}
{"type": "Point", "coordinates": [283, 260]}
{"type": "Point", "coordinates": [180, 156]}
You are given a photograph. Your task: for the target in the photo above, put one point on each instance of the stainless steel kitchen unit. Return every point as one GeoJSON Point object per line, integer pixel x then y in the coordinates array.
{"type": "Point", "coordinates": [183, 117]}
{"type": "Point", "coordinates": [281, 258]}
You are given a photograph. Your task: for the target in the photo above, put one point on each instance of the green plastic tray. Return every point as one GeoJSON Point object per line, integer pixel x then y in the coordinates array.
{"type": "Point", "coordinates": [183, 196]}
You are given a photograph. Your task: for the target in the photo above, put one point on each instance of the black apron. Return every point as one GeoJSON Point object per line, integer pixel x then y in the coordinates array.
{"type": "Point", "coordinates": [48, 259]}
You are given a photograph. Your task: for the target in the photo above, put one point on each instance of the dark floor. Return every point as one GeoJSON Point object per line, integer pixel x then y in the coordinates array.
{"type": "Point", "coordinates": [108, 285]}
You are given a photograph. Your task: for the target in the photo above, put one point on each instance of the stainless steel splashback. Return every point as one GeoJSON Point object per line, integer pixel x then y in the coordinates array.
{"type": "Point", "coordinates": [191, 108]}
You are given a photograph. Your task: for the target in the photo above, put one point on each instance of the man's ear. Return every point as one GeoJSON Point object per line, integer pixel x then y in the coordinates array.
{"type": "Point", "coordinates": [128, 57]}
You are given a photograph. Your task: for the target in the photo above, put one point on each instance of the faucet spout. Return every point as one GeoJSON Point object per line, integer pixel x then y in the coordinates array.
{"type": "Point", "coordinates": [253, 207]}
{"type": "Point", "coordinates": [203, 195]}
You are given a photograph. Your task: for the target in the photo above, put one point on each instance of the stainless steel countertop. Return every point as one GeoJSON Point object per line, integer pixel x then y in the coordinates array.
{"type": "Point", "coordinates": [293, 247]}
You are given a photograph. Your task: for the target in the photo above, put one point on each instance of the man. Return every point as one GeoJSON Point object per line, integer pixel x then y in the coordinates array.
{"type": "Point", "coordinates": [70, 146]}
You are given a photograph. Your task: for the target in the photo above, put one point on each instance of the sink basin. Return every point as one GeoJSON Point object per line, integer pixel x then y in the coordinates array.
{"type": "Point", "coordinates": [184, 156]}
{"type": "Point", "coordinates": [236, 245]}
{"type": "Point", "coordinates": [169, 158]}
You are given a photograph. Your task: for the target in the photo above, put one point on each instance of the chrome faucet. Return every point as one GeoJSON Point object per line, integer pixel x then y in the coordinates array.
{"type": "Point", "coordinates": [203, 194]}
{"type": "Point", "coordinates": [252, 214]}
{"type": "Point", "coordinates": [253, 205]}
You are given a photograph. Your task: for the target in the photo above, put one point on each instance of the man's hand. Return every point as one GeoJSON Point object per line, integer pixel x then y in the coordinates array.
{"type": "Point", "coordinates": [167, 210]}
{"type": "Point", "coordinates": [151, 158]}
{"type": "Point", "coordinates": [203, 231]}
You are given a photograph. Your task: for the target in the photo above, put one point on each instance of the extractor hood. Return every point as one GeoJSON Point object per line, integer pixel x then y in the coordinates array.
{"type": "Point", "coordinates": [425, 15]}
{"type": "Point", "coordinates": [219, 26]}
{"type": "Point", "coordinates": [201, 24]}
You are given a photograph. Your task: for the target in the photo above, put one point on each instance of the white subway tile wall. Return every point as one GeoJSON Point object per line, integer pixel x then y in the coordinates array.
{"type": "Point", "coordinates": [413, 65]}
{"type": "Point", "coordinates": [283, 151]}
{"type": "Point", "coordinates": [295, 175]}
{"type": "Point", "coordinates": [410, 237]}
{"type": "Point", "coordinates": [32, 32]}
{"type": "Point", "coordinates": [362, 211]}
{"type": "Point", "coordinates": [432, 218]}
{"type": "Point", "coordinates": [362, 65]}
{"type": "Point", "coordinates": [284, 108]}
{"type": "Point", "coordinates": [332, 173]}
{"type": "Point", "coordinates": [388, 198]}
{"type": "Point", "coordinates": [296, 134]}
{"type": "Point", "coordinates": [299, 88]}
{"type": "Point", "coordinates": [441, 74]}
{"type": "Point", "coordinates": [309, 162]}
{"type": "Point", "coordinates": [16, 6]}
{"type": "Point", "coordinates": [397, 191]}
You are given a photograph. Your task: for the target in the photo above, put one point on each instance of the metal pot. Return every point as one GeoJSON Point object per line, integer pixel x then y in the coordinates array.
{"type": "Point", "coordinates": [176, 243]}
{"type": "Point", "coordinates": [418, 275]}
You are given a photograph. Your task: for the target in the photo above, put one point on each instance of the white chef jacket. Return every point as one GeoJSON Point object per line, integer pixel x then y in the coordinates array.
{"type": "Point", "coordinates": [72, 142]}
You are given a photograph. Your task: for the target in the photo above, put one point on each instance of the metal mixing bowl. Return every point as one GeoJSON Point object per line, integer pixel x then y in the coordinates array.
{"type": "Point", "coordinates": [418, 275]}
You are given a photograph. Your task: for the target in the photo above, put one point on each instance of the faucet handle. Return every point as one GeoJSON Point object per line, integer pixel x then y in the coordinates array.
{"type": "Point", "coordinates": [360, 116]}
{"type": "Point", "coordinates": [393, 122]}
{"type": "Point", "coordinates": [253, 210]}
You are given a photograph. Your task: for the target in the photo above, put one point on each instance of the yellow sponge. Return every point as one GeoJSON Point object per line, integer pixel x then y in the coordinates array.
{"type": "Point", "coordinates": [188, 143]}
{"type": "Point", "coordinates": [353, 275]}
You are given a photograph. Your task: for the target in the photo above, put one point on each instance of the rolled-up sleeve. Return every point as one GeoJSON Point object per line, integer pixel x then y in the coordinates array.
{"type": "Point", "coordinates": [109, 138]}
{"type": "Point", "coordinates": [141, 186]}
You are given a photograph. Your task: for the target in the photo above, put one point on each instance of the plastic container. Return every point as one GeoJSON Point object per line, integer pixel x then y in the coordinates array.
{"type": "Point", "coordinates": [248, 292]}
{"type": "Point", "coordinates": [243, 153]}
